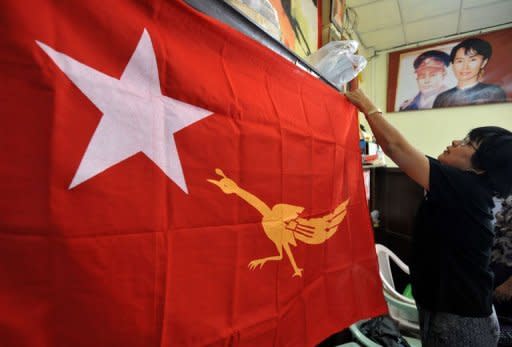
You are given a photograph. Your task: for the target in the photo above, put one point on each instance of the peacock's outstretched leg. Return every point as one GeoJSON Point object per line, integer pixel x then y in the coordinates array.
{"type": "Point", "coordinates": [260, 262]}
{"type": "Point", "coordinates": [298, 271]}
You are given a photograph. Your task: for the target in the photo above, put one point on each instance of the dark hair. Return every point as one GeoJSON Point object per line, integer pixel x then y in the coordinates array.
{"type": "Point", "coordinates": [480, 46]}
{"type": "Point", "coordinates": [494, 156]}
{"type": "Point", "coordinates": [434, 54]}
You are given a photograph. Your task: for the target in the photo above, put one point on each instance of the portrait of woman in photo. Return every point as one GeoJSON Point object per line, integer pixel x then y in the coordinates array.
{"type": "Point", "coordinates": [469, 59]}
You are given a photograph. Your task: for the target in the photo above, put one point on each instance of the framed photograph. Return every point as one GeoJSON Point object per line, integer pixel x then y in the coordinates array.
{"type": "Point", "coordinates": [292, 22]}
{"type": "Point", "coordinates": [262, 14]}
{"type": "Point", "coordinates": [337, 13]}
{"type": "Point", "coordinates": [473, 70]}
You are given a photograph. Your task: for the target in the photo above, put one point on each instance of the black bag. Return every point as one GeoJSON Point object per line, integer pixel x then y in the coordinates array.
{"type": "Point", "coordinates": [384, 331]}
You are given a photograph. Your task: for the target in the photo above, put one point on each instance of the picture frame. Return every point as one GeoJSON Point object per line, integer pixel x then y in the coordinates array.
{"type": "Point", "coordinates": [467, 71]}
{"type": "Point", "coordinates": [338, 14]}
{"type": "Point", "coordinates": [292, 22]}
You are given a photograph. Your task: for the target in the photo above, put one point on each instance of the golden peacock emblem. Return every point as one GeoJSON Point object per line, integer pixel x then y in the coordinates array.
{"type": "Point", "coordinates": [282, 223]}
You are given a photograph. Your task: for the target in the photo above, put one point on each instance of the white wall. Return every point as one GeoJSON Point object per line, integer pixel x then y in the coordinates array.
{"type": "Point", "coordinates": [430, 130]}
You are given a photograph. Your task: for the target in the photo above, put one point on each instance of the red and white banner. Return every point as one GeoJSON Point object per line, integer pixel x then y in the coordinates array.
{"type": "Point", "coordinates": [167, 181]}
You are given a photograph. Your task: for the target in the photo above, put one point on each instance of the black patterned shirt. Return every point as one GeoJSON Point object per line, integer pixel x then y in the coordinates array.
{"type": "Point", "coordinates": [480, 93]}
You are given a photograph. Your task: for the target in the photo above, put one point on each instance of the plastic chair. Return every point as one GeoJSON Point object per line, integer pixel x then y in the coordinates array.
{"type": "Point", "coordinates": [360, 337]}
{"type": "Point", "coordinates": [404, 313]}
{"type": "Point", "coordinates": [384, 254]}
{"type": "Point", "coordinates": [401, 308]}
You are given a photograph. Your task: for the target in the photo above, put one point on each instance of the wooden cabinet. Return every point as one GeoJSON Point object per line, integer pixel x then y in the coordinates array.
{"type": "Point", "coordinates": [397, 198]}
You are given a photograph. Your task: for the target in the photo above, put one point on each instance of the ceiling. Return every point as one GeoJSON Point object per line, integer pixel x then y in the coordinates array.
{"type": "Point", "coordinates": [387, 24]}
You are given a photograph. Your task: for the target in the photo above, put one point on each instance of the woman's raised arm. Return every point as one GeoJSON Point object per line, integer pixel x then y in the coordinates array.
{"type": "Point", "coordinates": [393, 143]}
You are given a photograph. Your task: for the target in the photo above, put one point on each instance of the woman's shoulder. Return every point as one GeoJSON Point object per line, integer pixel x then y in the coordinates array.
{"type": "Point", "coordinates": [443, 98]}
{"type": "Point", "coordinates": [462, 179]}
{"type": "Point", "coordinates": [491, 88]}
{"type": "Point", "coordinates": [447, 92]}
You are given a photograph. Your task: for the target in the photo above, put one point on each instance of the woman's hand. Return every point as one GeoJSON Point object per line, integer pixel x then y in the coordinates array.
{"type": "Point", "coordinates": [361, 101]}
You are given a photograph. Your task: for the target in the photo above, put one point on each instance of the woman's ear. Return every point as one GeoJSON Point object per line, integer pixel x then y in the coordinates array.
{"type": "Point", "coordinates": [484, 63]}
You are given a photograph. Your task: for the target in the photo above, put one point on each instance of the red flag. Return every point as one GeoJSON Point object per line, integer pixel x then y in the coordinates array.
{"type": "Point", "coordinates": [167, 181]}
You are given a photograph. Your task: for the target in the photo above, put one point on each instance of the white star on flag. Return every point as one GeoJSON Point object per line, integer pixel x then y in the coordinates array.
{"type": "Point", "coordinates": [136, 116]}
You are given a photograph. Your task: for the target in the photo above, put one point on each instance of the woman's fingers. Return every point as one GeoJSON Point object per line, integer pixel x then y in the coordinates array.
{"type": "Point", "coordinates": [359, 99]}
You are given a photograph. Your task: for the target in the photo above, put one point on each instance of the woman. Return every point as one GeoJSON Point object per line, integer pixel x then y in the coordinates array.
{"type": "Point", "coordinates": [453, 233]}
{"type": "Point", "coordinates": [469, 58]}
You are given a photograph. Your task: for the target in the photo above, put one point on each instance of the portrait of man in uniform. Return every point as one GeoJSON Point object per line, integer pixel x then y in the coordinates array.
{"type": "Point", "coordinates": [430, 69]}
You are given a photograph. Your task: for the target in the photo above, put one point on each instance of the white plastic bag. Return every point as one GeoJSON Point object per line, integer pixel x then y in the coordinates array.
{"type": "Point", "coordinates": [337, 62]}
